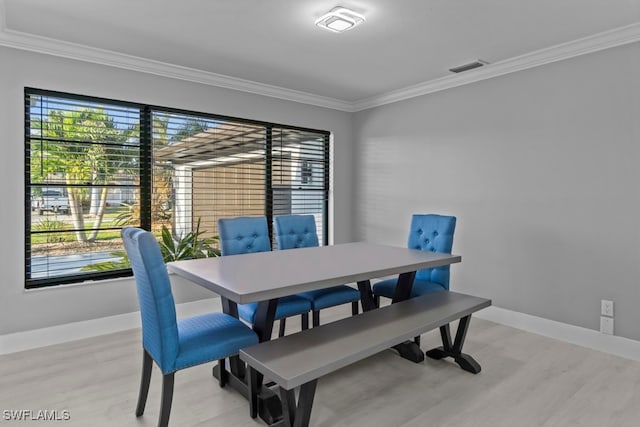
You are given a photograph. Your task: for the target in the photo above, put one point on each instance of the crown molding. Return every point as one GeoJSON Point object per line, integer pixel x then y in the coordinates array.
{"type": "Point", "coordinates": [3, 14]}
{"type": "Point", "coordinates": [605, 40]}
{"type": "Point", "coordinates": [48, 46]}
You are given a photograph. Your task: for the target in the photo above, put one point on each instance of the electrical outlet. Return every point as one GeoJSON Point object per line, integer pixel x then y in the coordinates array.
{"type": "Point", "coordinates": [606, 325]}
{"type": "Point", "coordinates": [606, 308]}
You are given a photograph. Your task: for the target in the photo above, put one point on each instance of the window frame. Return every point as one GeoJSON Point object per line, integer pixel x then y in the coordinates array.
{"type": "Point", "coordinates": [146, 175]}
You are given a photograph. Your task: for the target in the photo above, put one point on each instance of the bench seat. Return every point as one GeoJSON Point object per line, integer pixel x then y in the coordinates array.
{"type": "Point", "coordinates": [301, 358]}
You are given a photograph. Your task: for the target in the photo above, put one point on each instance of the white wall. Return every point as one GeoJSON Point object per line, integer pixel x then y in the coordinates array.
{"type": "Point", "coordinates": [542, 169]}
{"type": "Point", "coordinates": [24, 310]}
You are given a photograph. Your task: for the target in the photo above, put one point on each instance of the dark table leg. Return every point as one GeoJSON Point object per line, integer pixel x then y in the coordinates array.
{"type": "Point", "coordinates": [265, 316]}
{"type": "Point", "coordinates": [454, 350]}
{"type": "Point", "coordinates": [403, 287]}
{"type": "Point", "coordinates": [269, 406]}
{"type": "Point", "coordinates": [366, 296]}
{"type": "Point", "coordinates": [408, 350]}
{"type": "Point", "coordinates": [235, 364]}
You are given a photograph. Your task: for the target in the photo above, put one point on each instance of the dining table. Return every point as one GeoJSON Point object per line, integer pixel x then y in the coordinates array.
{"type": "Point", "coordinates": [263, 277]}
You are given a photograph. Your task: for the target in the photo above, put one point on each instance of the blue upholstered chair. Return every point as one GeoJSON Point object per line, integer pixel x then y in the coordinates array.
{"type": "Point", "coordinates": [243, 235]}
{"type": "Point", "coordinates": [299, 231]}
{"type": "Point", "coordinates": [174, 344]}
{"type": "Point", "coordinates": [428, 232]}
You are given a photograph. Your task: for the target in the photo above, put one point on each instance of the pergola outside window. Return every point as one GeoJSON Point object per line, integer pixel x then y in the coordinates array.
{"type": "Point", "coordinates": [94, 166]}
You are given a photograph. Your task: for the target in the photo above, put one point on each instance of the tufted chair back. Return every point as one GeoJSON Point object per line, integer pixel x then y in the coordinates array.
{"type": "Point", "coordinates": [243, 235]}
{"type": "Point", "coordinates": [157, 307]}
{"type": "Point", "coordinates": [430, 232]}
{"type": "Point", "coordinates": [295, 231]}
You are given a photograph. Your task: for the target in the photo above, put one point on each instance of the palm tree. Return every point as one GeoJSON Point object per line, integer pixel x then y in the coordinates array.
{"type": "Point", "coordinates": [86, 149]}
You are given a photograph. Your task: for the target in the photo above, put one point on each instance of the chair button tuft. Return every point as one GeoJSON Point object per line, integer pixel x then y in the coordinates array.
{"type": "Point", "coordinates": [419, 230]}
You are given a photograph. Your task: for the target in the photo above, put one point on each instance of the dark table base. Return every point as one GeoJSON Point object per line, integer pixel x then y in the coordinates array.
{"type": "Point", "coordinates": [269, 404]}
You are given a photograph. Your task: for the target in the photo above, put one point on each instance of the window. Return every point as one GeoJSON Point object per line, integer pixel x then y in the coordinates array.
{"type": "Point", "coordinates": [94, 166]}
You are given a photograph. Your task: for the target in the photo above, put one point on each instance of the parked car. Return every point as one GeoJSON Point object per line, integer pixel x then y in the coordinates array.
{"type": "Point", "coordinates": [51, 200]}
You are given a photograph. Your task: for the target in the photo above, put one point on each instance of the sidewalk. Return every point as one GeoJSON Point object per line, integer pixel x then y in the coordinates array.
{"type": "Point", "coordinates": [68, 264]}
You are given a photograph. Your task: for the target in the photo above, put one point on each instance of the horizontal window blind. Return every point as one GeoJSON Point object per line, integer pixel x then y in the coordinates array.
{"type": "Point", "coordinates": [300, 181]}
{"type": "Point", "coordinates": [216, 168]}
{"type": "Point", "coordinates": [82, 168]}
{"type": "Point", "coordinates": [94, 166]}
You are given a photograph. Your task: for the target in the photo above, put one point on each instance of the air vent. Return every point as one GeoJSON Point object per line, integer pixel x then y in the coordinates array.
{"type": "Point", "coordinates": [469, 66]}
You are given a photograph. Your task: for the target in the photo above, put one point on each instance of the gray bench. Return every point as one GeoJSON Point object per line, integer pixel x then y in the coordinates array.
{"type": "Point", "coordinates": [298, 360]}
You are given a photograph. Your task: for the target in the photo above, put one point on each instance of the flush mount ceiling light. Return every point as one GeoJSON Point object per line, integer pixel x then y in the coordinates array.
{"type": "Point", "coordinates": [339, 19]}
{"type": "Point", "coordinates": [470, 66]}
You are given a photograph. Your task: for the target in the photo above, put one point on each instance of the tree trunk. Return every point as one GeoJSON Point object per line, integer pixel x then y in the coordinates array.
{"type": "Point", "coordinates": [77, 219]}
{"type": "Point", "coordinates": [99, 215]}
{"type": "Point", "coordinates": [96, 195]}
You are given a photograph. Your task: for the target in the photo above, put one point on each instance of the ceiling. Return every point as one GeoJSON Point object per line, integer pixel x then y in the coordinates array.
{"type": "Point", "coordinates": [403, 43]}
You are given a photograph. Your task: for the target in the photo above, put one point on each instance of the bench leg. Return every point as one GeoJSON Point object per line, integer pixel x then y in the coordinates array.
{"type": "Point", "coordinates": [454, 350]}
{"type": "Point", "coordinates": [298, 415]}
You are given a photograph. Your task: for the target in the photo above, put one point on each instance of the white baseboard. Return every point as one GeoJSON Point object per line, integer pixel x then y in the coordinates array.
{"type": "Point", "coordinates": [584, 337]}
{"type": "Point", "coordinates": [19, 341]}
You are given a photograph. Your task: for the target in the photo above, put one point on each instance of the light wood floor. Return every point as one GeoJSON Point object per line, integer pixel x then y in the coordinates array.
{"type": "Point", "coordinates": [526, 380]}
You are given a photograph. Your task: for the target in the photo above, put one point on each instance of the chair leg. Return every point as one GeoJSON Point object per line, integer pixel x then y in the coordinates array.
{"type": "Point", "coordinates": [304, 319]}
{"type": "Point", "coordinates": [316, 318]}
{"type": "Point", "coordinates": [167, 398]}
{"type": "Point", "coordinates": [377, 299]}
{"type": "Point", "coordinates": [354, 308]}
{"type": "Point", "coordinates": [417, 340]}
{"type": "Point", "coordinates": [222, 370]}
{"type": "Point", "coordinates": [147, 364]}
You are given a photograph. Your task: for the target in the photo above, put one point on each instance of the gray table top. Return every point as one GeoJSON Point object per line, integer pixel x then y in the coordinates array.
{"type": "Point", "coordinates": [265, 275]}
